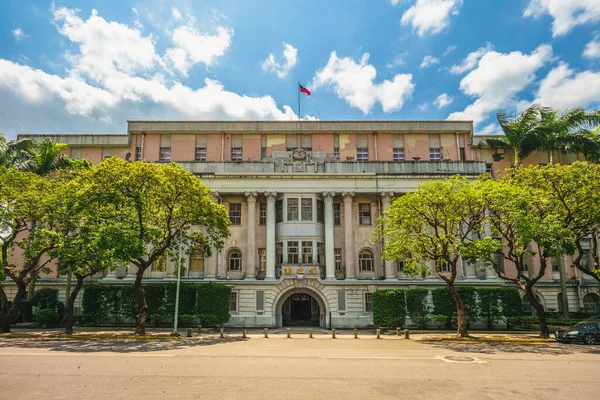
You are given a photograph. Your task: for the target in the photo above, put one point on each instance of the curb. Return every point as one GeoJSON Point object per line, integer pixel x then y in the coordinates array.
{"type": "Point", "coordinates": [486, 340]}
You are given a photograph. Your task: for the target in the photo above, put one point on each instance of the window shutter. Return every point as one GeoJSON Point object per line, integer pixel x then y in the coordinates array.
{"type": "Point", "coordinates": [236, 140]}
{"type": "Point", "coordinates": [398, 141]}
{"type": "Point", "coordinates": [291, 141]}
{"type": "Point", "coordinates": [138, 140]}
{"type": "Point", "coordinates": [108, 152]}
{"type": "Point", "coordinates": [201, 141]}
{"type": "Point", "coordinates": [306, 141]}
{"type": "Point", "coordinates": [336, 140]}
{"type": "Point", "coordinates": [434, 141]}
{"type": "Point", "coordinates": [341, 301]}
{"type": "Point", "coordinates": [165, 140]}
{"type": "Point", "coordinates": [263, 140]}
{"type": "Point", "coordinates": [461, 141]}
{"type": "Point", "coordinates": [362, 140]}
{"type": "Point", "coordinates": [260, 300]}
{"type": "Point", "coordinates": [76, 153]}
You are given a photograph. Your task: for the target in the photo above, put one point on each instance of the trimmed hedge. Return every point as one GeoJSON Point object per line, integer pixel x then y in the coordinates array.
{"type": "Point", "coordinates": [389, 308]}
{"type": "Point", "coordinates": [45, 298]}
{"type": "Point", "coordinates": [417, 307]}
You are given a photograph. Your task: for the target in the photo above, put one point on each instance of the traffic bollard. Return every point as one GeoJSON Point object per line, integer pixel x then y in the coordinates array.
{"type": "Point", "coordinates": [397, 331]}
{"type": "Point", "coordinates": [289, 333]}
{"type": "Point", "coordinates": [244, 333]}
{"type": "Point", "coordinates": [310, 335]}
{"type": "Point", "coordinates": [189, 332]}
{"type": "Point", "coordinates": [378, 332]}
{"type": "Point", "coordinates": [222, 333]}
{"type": "Point", "coordinates": [406, 334]}
{"type": "Point", "coordinates": [356, 334]}
{"type": "Point", "coordinates": [333, 333]}
{"type": "Point", "coordinates": [266, 333]}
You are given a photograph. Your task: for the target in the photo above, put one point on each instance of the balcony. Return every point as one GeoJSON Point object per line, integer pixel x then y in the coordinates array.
{"type": "Point", "coordinates": [228, 167]}
{"type": "Point", "coordinates": [431, 168]}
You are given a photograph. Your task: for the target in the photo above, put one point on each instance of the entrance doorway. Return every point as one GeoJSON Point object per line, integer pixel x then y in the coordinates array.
{"type": "Point", "coordinates": [301, 309]}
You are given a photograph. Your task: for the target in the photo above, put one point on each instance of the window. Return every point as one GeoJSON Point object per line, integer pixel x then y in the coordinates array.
{"type": "Point", "coordinates": [445, 267]}
{"type": "Point", "coordinates": [260, 300]}
{"type": "Point", "coordinates": [306, 142]}
{"type": "Point", "coordinates": [341, 301]}
{"type": "Point", "coordinates": [76, 153]}
{"type": "Point", "coordinates": [107, 153]}
{"type": "Point", "coordinates": [160, 264]}
{"type": "Point", "coordinates": [262, 260]}
{"type": "Point", "coordinates": [461, 148]}
{"type": "Point", "coordinates": [197, 261]}
{"type": "Point", "coordinates": [263, 146]}
{"type": "Point", "coordinates": [292, 252]}
{"type": "Point", "coordinates": [337, 219]}
{"type": "Point", "coordinates": [233, 302]}
{"type": "Point", "coordinates": [234, 260]}
{"type": "Point", "coordinates": [236, 147]}
{"type": "Point", "coordinates": [398, 154]}
{"type": "Point", "coordinates": [400, 265]}
{"type": "Point", "coordinates": [235, 213]}
{"type": "Point", "coordinates": [368, 302]}
{"type": "Point", "coordinates": [320, 253]}
{"type": "Point", "coordinates": [307, 252]}
{"type": "Point", "coordinates": [337, 256]}
{"type": "Point", "coordinates": [200, 148]}
{"type": "Point", "coordinates": [262, 218]}
{"type": "Point", "coordinates": [435, 147]}
{"type": "Point", "coordinates": [165, 148]}
{"type": "Point", "coordinates": [320, 211]}
{"type": "Point", "coordinates": [489, 169]}
{"type": "Point", "coordinates": [525, 268]}
{"type": "Point", "coordinates": [292, 209]}
{"type": "Point", "coordinates": [462, 153]}
{"type": "Point", "coordinates": [138, 153]}
{"type": "Point", "coordinates": [362, 147]}
{"type": "Point", "coordinates": [306, 210]}
{"type": "Point", "coordinates": [555, 265]}
{"type": "Point", "coordinates": [591, 303]}
{"type": "Point", "coordinates": [291, 142]}
{"type": "Point", "coordinates": [336, 146]}
{"type": "Point", "coordinates": [364, 213]}
{"type": "Point", "coordinates": [279, 211]}
{"type": "Point", "coordinates": [526, 306]}
{"type": "Point", "coordinates": [365, 260]}
{"type": "Point", "coordinates": [398, 147]}
{"type": "Point", "coordinates": [279, 252]}
{"type": "Point", "coordinates": [585, 260]}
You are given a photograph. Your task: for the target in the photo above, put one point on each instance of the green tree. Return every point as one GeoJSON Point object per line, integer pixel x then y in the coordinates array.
{"type": "Point", "coordinates": [438, 224]}
{"type": "Point", "coordinates": [157, 202]}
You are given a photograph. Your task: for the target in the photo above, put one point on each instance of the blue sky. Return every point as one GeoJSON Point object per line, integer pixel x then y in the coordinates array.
{"type": "Point", "coordinates": [69, 66]}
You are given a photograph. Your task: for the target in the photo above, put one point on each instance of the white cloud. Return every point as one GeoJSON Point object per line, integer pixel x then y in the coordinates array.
{"type": "Point", "coordinates": [18, 34]}
{"type": "Point", "coordinates": [423, 106]}
{"type": "Point", "coordinates": [429, 61]}
{"type": "Point", "coordinates": [113, 74]}
{"type": "Point", "coordinates": [430, 17]}
{"type": "Point", "coordinates": [562, 88]}
{"type": "Point", "coordinates": [567, 14]}
{"type": "Point", "coordinates": [291, 58]}
{"type": "Point", "coordinates": [491, 129]}
{"type": "Point", "coordinates": [450, 49]}
{"type": "Point", "coordinates": [176, 13]}
{"type": "Point", "coordinates": [497, 79]}
{"type": "Point", "coordinates": [443, 100]}
{"type": "Point", "coordinates": [592, 48]}
{"type": "Point", "coordinates": [471, 61]}
{"type": "Point", "coordinates": [354, 82]}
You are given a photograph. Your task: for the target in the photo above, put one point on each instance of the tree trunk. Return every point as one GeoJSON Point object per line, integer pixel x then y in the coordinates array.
{"type": "Point", "coordinates": [143, 306]}
{"type": "Point", "coordinates": [4, 308]}
{"type": "Point", "coordinates": [71, 305]}
{"type": "Point", "coordinates": [539, 310]}
{"type": "Point", "coordinates": [460, 311]}
{"type": "Point", "coordinates": [14, 308]}
{"type": "Point", "coordinates": [563, 287]}
{"type": "Point", "coordinates": [68, 288]}
{"type": "Point", "coordinates": [31, 288]}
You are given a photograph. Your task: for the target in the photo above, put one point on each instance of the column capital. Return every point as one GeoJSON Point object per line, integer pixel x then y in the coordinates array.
{"type": "Point", "coordinates": [271, 196]}
{"type": "Point", "coordinates": [348, 196]}
{"type": "Point", "coordinates": [250, 197]}
{"type": "Point", "coordinates": [328, 196]}
{"type": "Point", "coordinates": [216, 197]}
{"type": "Point", "coordinates": [387, 195]}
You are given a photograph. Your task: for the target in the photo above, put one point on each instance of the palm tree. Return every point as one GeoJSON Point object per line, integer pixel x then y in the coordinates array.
{"type": "Point", "coordinates": [15, 152]}
{"type": "Point", "coordinates": [521, 135]}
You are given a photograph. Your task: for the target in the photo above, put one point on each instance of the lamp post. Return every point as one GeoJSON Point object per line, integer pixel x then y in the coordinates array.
{"type": "Point", "coordinates": [179, 265]}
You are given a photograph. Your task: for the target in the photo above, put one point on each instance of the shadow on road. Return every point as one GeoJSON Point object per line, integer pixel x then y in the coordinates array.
{"type": "Point", "coordinates": [113, 345]}
{"type": "Point", "coordinates": [555, 349]}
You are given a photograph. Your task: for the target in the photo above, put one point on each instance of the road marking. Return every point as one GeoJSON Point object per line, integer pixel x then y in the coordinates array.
{"type": "Point", "coordinates": [376, 358]}
{"type": "Point", "coordinates": [461, 360]}
{"type": "Point", "coordinates": [84, 354]}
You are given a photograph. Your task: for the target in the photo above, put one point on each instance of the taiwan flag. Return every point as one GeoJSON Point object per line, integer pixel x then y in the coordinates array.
{"type": "Point", "coordinates": [304, 90]}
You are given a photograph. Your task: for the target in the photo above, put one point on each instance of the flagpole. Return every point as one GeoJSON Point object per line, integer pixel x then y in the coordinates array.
{"type": "Point", "coordinates": [299, 101]}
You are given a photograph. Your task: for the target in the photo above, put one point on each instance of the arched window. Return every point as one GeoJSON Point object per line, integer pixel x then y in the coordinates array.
{"type": "Point", "coordinates": [366, 260]}
{"type": "Point", "coordinates": [234, 260]}
{"type": "Point", "coordinates": [591, 303]}
{"type": "Point", "coordinates": [197, 261]}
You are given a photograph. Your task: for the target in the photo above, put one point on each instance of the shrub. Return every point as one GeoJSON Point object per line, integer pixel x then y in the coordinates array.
{"type": "Point", "coordinates": [489, 306]}
{"type": "Point", "coordinates": [45, 298]}
{"type": "Point", "coordinates": [389, 308]}
{"type": "Point", "coordinates": [212, 303]}
{"type": "Point", "coordinates": [45, 317]}
{"type": "Point", "coordinates": [511, 304]}
{"type": "Point", "coordinates": [417, 307]}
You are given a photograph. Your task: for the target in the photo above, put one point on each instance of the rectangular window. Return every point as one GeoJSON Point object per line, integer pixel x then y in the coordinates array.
{"type": "Point", "coordinates": [435, 151]}
{"type": "Point", "coordinates": [262, 260]}
{"type": "Point", "coordinates": [279, 252]}
{"type": "Point", "coordinates": [279, 211]}
{"type": "Point", "coordinates": [585, 260]}
{"type": "Point", "coordinates": [461, 147]}
{"type": "Point", "coordinates": [200, 148]}
{"type": "Point", "coordinates": [76, 153]}
{"type": "Point", "coordinates": [234, 261]}
{"type": "Point", "coordinates": [292, 209]}
{"type": "Point", "coordinates": [341, 301]}
{"type": "Point", "coordinates": [336, 146]}
{"type": "Point", "coordinates": [445, 268]}
{"type": "Point", "coordinates": [262, 218]}
{"type": "Point", "coordinates": [555, 266]}
{"type": "Point", "coordinates": [235, 213]}
{"type": "Point", "coordinates": [489, 169]}
{"type": "Point", "coordinates": [462, 153]}
{"type": "Point", "coordinates": [260, 300]}
{"type": "Point", "coordinates": [307, 252]}
{"type": "Point", "coordinates": [233, 302]}
{"type": "Point", "coordinates": [400, 265]}
{"type": "Point", "coordinates": [307, 210]}
{"type": "Point", "coordinates": [306, 142]}
{"type": "Point", "coordinates": [364, 213]}
{"type": "Point", "coordinates": [292, 250]}
{"type": "Point", "coordinates": [320, 253]}
{"type": "Point", "coordinates": [197, 261]}
{"type": "Point", "coordinates": [263, 146]}
{"type": "Point", "coordinates": [398, 147]}
{"type": "Point", "coordinates": [236, 147]}
{"type": "Point", "coordinates": [165, 148]}
{"type": "Point", "coordinates": [138, 153]}
{"type": "Point", "coordinates": [320, 211]}
{"type": "Point", "coordinates": [337, 217]}
{"type": "Point", "coordinates": [362, 147]}
{"type": "Point", "coordinates": [337, 254]}
{"type": "Point", "coordinates": [365, 261]}
{"type": "Point", "coordinates": [398, 153]}
{"type": "Point", "coordinates": [107, 153]}
{"type": "Point", "coordinates": [291, 142]}
{"type": "Point", "coordinates": [368, 302]}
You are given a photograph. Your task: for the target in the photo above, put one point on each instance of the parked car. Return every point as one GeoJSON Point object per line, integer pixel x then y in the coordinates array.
{"type": "Point", "coordinates": [586, 331]}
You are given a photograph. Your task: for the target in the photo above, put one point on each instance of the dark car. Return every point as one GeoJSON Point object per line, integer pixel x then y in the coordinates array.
{"type": "Point", "coordinates": [586, 331]}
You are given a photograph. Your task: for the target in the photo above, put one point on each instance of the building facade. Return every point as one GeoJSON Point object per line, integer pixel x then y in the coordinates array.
{"type": "Point", "coordinates": [303, 199]}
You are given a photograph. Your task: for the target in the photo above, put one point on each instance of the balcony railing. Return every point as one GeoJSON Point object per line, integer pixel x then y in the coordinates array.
{"type": "Point", "coordinates": [406, 167]}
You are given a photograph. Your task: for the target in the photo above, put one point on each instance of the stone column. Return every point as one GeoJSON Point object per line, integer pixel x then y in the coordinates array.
{"type": "Point", "coordinates": [271, 197]}
{"type": "Point", "coordinates": [349, 250]}
{"type": "Point", "coordinates": [211, 262]}
{"type": "Point", "coordinates": [329, 239]}
{"type": "Point", "coordinates": [250, 270]}
{"type": "Point", "coordinates": [386, 201]}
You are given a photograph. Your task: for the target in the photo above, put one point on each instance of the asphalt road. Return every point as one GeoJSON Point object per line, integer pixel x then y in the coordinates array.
{"type": "Point", "coordinates": [256, 368]}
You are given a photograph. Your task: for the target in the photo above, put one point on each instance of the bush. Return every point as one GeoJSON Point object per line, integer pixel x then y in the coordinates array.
{"type": "Point", "coordinates": [45, 298]}
{"type": "Point", "coordinates": [212, 303]}
{"type": "Point", "coordinates": [489, 306]}
{"type": "Point", "coordinates": [45, 317]}
{"type": "Point", "coordinates": [417, 307]}
{"type": "Point", "coordinates": [389, 308]}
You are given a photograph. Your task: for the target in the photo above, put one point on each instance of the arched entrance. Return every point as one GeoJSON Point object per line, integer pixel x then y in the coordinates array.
{"type": "Point", "coordinates": [300, 309]}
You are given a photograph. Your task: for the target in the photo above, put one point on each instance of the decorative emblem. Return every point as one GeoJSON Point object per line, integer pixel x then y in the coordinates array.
{"type": "Point", "coordinates": [287, 271]}
{"type": "Point", "coordinates": [312, 270]}
{"type": "Point", "coordinates": [299, 155]}
{"type": "Point", "coordinates": [300, 270]}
